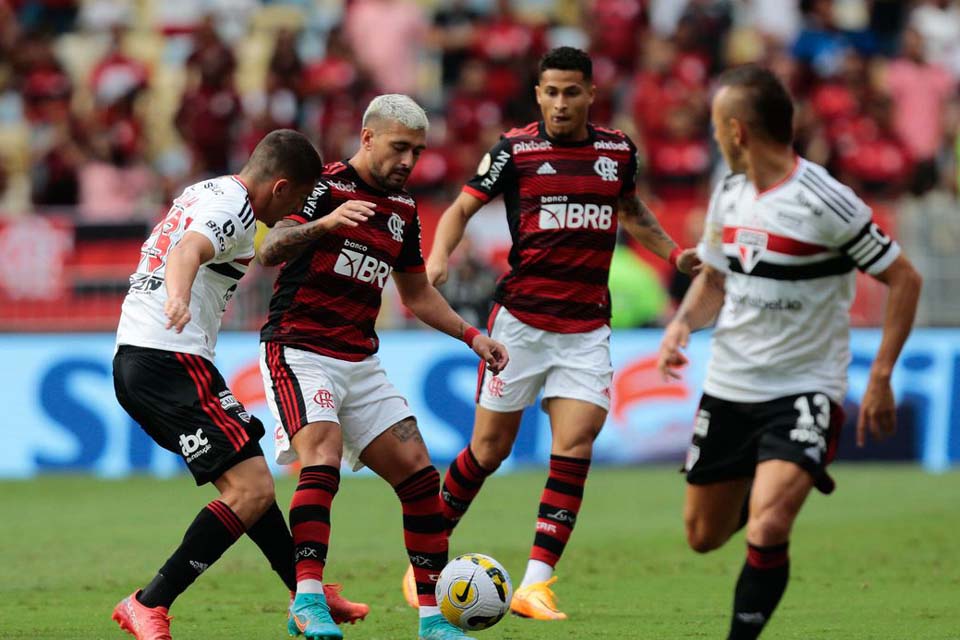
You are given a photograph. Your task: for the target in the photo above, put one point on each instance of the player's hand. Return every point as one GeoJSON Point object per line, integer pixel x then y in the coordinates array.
{"type": "Point", "coordinates": [491, 352]}
{"type": "Point", "coordinates": [437, 269]}
{"type": "Point", "coordinates": [350, 214]}
{"type": "Point", "coordinates": [178, 313]}
{"type": "Point", "coordinates": [688, 262]}
{"type": "Point", "coordinates": [671, 357]}
{"type": "Point", "coordinates": [878, 411]}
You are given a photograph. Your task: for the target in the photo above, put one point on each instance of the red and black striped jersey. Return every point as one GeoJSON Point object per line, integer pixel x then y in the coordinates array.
{"type": "Point", "coordinates": [327, 299]}
{"type": "Point", "coordinates": [561, 200]}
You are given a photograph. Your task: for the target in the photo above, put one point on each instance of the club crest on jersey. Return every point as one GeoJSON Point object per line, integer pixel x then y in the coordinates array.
{"type": "Point", "coordinates": [395, 227]}
{"type": "Point", "coordinates": [606, 168]}
{"type": "Point", "coordinates": [750, 247]}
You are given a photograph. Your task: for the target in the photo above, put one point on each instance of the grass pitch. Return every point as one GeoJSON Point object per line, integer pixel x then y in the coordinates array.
{"type": "Point", "coordinates": [878, 559]}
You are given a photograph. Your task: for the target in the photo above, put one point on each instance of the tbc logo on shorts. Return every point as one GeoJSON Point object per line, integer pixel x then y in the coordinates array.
{"type": "Point", "coordinates": [495, 386]}
{"type": "Point", "coordinates": [190, 445]}
{"type": "Point", "coordinates": [606, 168]}
{"type": "Point", "coordinates": [324, 398]}
{"type": "Point", "coordinates": [395, 227]}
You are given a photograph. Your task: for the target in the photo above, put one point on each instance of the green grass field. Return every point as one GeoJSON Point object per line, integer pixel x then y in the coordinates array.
{"type": "Point", "coordinates": [878, 559]}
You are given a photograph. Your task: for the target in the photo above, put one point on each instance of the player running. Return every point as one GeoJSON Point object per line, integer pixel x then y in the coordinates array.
{"type": "Point", "coordinates": [565, 183]}
{"type": "Point", "coordinates": [326, 388]}
{"type": "Point", "coordinates": [164, 374]}
{"type": "Point", "coordinates": [781, 241]}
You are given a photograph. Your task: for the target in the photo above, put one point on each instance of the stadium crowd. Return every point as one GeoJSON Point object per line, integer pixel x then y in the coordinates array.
{"type": "Point", "coordinates": [109, 107]}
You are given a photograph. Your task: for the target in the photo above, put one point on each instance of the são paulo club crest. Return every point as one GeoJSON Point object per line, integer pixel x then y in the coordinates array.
{"type": "Point", "coordinates": [750, 247]}
{"type": "Point", "coordinates": [395, 226]}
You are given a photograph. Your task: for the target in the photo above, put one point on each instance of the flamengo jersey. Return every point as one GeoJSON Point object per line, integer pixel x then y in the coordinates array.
{"type": "Point", "coordinates": [562, 201]}
{"type": "Point", "coordinates": [220, 210]}
{"type": "Point", "coordinates": [327, 299]}
{"type": "Point", "coordinates": [788, 255]}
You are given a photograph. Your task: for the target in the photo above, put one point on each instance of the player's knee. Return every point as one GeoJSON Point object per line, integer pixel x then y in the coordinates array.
{"type": "Point", "coordinates": [701, 539]}
{"type": "Point", "coordinates": [257, 493]}
{"type": "Point", "coordinates": [771, 526]}
{"type": "Point", "coordinates": [491, 450]}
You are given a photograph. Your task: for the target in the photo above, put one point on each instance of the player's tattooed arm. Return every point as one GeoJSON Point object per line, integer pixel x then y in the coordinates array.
{"type": "Point", "coordinates": [406, 430]}
{"type": "Point", "coordinates": [640, 223]}
{"type": "Point", "coordinates": [289, 238]}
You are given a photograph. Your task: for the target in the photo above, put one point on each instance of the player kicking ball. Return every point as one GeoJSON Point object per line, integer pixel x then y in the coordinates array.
{"type": "Point", "coordinates": [566, 184]}
{"type": "Point", "coordinates": [325, 386]}
{"type": "Point", "coordinates": [780, 244]}
{"type": "Point", "coordinates": [166, 380]}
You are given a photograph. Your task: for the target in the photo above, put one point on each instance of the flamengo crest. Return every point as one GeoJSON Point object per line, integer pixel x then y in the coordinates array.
{"type": "Point", "coordinates": [395, 227]}
{"type": "Point", "coordinates": [750, 247]}
{"type": "Point", "coordinates": [606, 168]}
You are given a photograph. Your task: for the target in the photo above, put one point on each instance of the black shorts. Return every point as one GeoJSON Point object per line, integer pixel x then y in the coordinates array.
{"type": "Point", "coordinates": [731, 438]}
{"type": "Point", "coordinates": [183, 403]}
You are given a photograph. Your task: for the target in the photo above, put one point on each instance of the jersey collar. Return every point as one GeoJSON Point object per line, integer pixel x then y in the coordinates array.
{"type": "Point", "coordinates": [591, 136]}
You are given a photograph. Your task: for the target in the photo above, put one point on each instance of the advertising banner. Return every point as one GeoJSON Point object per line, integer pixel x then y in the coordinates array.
{"type": "Point", "coordinates": [60, 413]}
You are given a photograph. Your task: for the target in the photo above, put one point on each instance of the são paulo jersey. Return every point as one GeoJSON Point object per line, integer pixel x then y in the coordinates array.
{"type": "Point", "coordinates": [327, 299]}
{"type": "Point", "coordinates": [788, 254]}
{"type": "Point", "coordinates": [562, 201]}
{"type": "Point", "coordinates": [219, 210]}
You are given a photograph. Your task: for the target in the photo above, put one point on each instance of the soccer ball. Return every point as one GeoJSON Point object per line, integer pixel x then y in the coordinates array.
{"type": "Point", "coordinates": [474, 591]}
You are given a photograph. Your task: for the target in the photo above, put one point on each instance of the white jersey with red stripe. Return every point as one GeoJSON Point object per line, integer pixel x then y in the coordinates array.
{"type": "Point", "coordinates": [788, 254]}
{"type": "Point", "coordinates": [220, 210]}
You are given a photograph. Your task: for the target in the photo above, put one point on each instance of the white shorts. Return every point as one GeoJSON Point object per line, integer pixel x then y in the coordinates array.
{"type": "Point", "coordinates": [304, 387]}
{"type": "Point", "coordinates": [564, 365]}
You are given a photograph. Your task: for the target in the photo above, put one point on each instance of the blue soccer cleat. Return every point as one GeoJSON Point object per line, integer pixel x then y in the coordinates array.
{"type": "Point", "coordinates": [438, 628]}
{"type": "Point", "coordinates": [310, 618]}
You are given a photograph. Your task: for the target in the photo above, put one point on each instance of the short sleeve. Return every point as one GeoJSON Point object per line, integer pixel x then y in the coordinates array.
{"type": "Point", "coordinates": [318, 204]}
{"type": "Point", "coordinates": [410, 259]}
{"type": "Point", "coordinates": [852, 229]}
{"type": "Point", "coordinates": [226, 226]}
{"type": "Point", "coordinates": [495, 170]}
{"type": "Point", "coordinates": [630, 177]}
{"type": "Point", "coordinates": [710, 247]}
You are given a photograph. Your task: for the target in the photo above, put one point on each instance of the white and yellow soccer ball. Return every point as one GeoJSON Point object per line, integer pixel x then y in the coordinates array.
{"type": "Point", "coordinates": [474, 591]}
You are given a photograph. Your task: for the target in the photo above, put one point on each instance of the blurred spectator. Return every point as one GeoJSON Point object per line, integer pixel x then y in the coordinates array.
{"type": "Point", "coordinates": [921, 92]}
{"type": "Point", "coordinates": [453, 34]}
{"type": "Point", "coordinates": [938, 21]}
{"type": "Point", "coordinates": [614, 27]}
{"type": "Point", "coordinates": [387, 38]}
{"type": "Point", "coordinates": [470, 284]}
{"type": "Point", "coordinates": [678, 161]}
{"type": "Point", "coordinates": [821, 45]}
{"type": "Point", "coordinates": [658, 88]}
{"type": "Point", "coordinates": [470, 108]}
{"type": "Point", "coordinates": [871, 159]}
{"type": "Point", "coordinates": [776, 19]}
{"type": "Point", "coordinates": [117, 76]}
{"type": "Point", "coordinates": [208, 112]}
{"type": "Point", "coordinates": [115, 183]}
{"type": "Point", "coordinates": [209, 50]}
{"type": "Point", "coordinates": [48, 16]}
{"type": "Point", "coordinates": [286, 68]}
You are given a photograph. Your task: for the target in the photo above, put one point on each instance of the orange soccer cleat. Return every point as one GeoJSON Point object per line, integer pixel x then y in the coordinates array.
{"type": "Point", "coordinates": [410, 588]}
{"type": "Point", "coordinates": [341, 609]}
{"type": "Point", "coordinates": [143, 623]}
{"type": "Point", "coordinates": [537, 601]}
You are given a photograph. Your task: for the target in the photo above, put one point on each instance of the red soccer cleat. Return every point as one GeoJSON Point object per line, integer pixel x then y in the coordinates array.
{"type": "Point", "coordinates": [341, 609]}
{"type": "Point", "coordinates": [143, 623]}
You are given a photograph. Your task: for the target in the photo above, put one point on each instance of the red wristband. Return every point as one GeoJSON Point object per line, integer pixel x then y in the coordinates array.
{"type": "Point", "coordinates": [674, 256]}
{"type": "Point", "coordinates": [470, 335]}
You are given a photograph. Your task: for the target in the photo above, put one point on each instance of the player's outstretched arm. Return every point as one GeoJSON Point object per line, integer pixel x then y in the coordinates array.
{"type": "Point", "coordinates": [429, 305]}
{"type": "Point", "coordinates": [449, 233]}
{"type": "Point", "coordinates": [878, 409]}
{"type": "Point", "coordinates": [183, 263]}
{"type": "Point", "coordinates": [640, 223]}
{"type": "Point", "coordinates": [699, 309]}
{"type": "Point", "coordinates": [289, 237]}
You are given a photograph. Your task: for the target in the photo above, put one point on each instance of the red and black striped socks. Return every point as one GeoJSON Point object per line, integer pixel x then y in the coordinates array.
{"type": "Point", "coordinates": [559, 506]}
{"type": "Point", "coordinates": [464, 478]}
{"type": "Point", "coordinates": [210, 534]}
{"type": "Point", "coordinates": [759, 590]}
{"type": "Point", "coordinates": [310, 524]}
{"type": "Point", "coordinates": [423, 532]}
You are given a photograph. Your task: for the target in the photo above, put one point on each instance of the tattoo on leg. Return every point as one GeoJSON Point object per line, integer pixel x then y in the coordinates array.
{"type": "Point", "coordinates": [406, 430]}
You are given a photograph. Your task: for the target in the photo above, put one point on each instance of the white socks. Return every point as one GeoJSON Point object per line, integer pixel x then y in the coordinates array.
{"type": "Point", "coordinates": [537, 571]}
{"type": "Point", "coordinates": [309, 586]}
{"type": "Point", "coordinates": [426, 612]}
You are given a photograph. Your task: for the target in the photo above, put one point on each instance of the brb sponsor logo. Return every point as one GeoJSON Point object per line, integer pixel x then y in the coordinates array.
{"type": "Point", "coordinates": [557, 213]}
{"type": "Point", "coordinates": [190, 445]}
{"type": "Point", "coordinates": [354, 262]}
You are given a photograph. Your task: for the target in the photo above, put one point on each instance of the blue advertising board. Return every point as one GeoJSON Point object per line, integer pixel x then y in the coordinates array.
{"type": "Point", "coordinates": [60, 414]}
